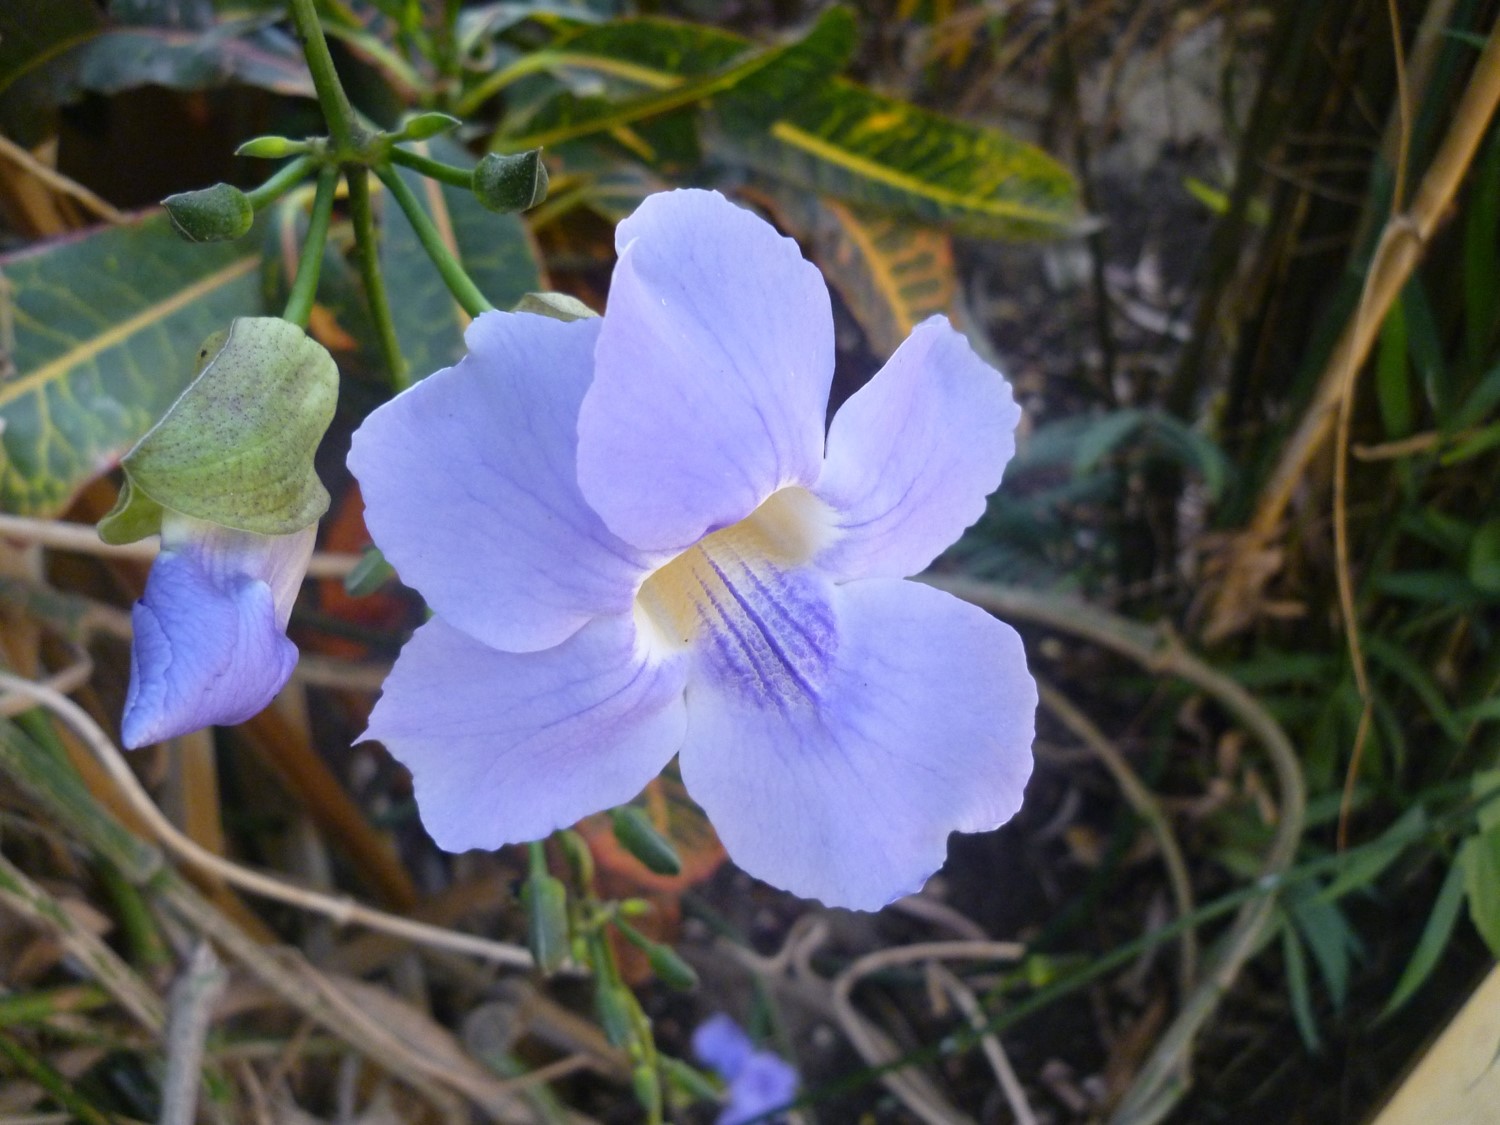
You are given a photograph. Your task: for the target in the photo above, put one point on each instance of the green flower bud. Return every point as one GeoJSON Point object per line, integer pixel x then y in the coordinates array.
{"type": "Point", "coordinates": [559, 306]}
{"type": "Point", "coordinates": [236, 448]}
{"type": "Point", "coordinates": [615, 1004]}
{"type": "Point", "coordinates": [579, 857]}
{"type": "Point", "coordinates": [272, 148]}
{"type": "Point", "coordinates": [546, 902]}
{"type": "Point", "coordinates": [425, 125]}
{"type": "Point", "coordinates": [212, 214]}
{"type": "Point", "coordinates": [638, 836]}
{"type": "Point", "coordinates": [511, 183]}
{"type": "Point", "coordinates": [369, 574]}
{"type": "Point", "coordinates": [665, 961]}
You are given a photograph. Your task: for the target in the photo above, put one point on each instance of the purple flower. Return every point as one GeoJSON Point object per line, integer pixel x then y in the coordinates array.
{"type": "Point", "coordinates": [210, 631]}
{"type": "Point", "coordinates": [757, 1081]}
{"type": "Point", "coordinates": [638, 543]}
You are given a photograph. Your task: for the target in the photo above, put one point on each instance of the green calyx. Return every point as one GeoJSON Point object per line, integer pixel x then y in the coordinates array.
{"type": "Point", "coordinates": [236, 448]}
{"type": "Point", "coordinates": [559, 306]}
{"type": "Point", "coordinates": [511, 182]}
{"type": "Point", "coordinates": [211, 214]}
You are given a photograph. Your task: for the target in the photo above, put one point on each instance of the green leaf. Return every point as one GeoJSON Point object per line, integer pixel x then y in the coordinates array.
{"type": "Point", "coordinates": [1481, 289]}
{"type": "Point", "coordinates": [1298, 986]}
{"type": "Point", "coordinates": [1434, 940]}
{"type": "Point", "coordinates": [860, 146]}
{"type": "Point", "coordinates": [1480, 859]}
{"type": "Point", "coordinates": [1393, 374]}
{"type": "Point", "coordinates": [34, 31]}
{"type": "Point", "coordinates": [1484, 557]}
{"type": "Point", "coordinates": [237, 448]}
{"type": "Point", "coordinates": [750, 89]}
{"type": "Point", "coordinates": [1329, 936]}
{"type": "Point", "coordinates": [496, 250]}
{"type": "Point", "coordinates": [1398, 661]}
{"type": "Point", "coordinates": [845, 140]}
{"type": "Point", "coordinates": [101, 321]}
{"type": "Point", "coordinates": [892, 274]}
{"type": "Point", "coordinates": [131, 57]}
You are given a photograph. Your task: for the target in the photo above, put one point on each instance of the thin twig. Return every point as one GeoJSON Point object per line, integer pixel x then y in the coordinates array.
{"type": "Point", "coordinates": [1147, 807]}
{"type": "Point", "coordinates": [60, 535]}
{"type": "Point", "coordinates": [916, 1092]}
{"type": "Point", "coordinates": [343, 911]}
{"type": "Point", "coordinates": [994, 1051]}
{"type": "Point", "coordinates": [1161, 1083]}
{"type": "Point", "coordinates": [61, 184]}
{"type": "Point", "coordinates": [1397, 253]}
{"type": "Point", "coordinates": [191, 1006]}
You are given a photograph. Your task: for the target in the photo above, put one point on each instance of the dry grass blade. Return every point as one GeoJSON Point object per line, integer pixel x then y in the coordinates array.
{"type": "Point", "coordinates": [26, 898]}
{"type": "Point", "coordinates": [918, 1093]}
{"type": "Point", "coordinates": [1396, 255]}
{"type": "Point", "coordinates": [342, 911]}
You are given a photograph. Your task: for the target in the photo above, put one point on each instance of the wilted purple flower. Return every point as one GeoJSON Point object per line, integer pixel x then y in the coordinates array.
{"type": "Point", "coordinates": [210, 631]}
{"type": "Point", "coordinates": [637, 543]}
{"type": "Point", "coordinates": [756, 1081]}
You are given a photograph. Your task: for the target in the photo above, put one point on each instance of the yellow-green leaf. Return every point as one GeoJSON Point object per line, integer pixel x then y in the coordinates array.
{"type": "Point", "coordinates": [840, 138]}
{"type": "Point", "coordinates": [100, 323]}
{"type": "Point", "coordinates": [893, 274]}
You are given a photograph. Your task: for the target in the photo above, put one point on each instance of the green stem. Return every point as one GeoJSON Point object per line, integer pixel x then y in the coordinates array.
{"type": "Point", "coordinates": [342, 126]}
{"type": "Point", "coordinates": [464, 291]}
{"type": "Point", "coordinates": [299, 302]}
{"type": "Point", "coordinates": [537, 853]}
{"type": "Point", "coordinates": [434, 169]}
{"type": "Point", "coordinates": [368, 248]}
{"type": "Point", "coordinates": [288, 176]}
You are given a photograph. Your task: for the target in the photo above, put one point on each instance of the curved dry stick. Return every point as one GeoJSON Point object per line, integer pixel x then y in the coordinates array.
{"type": "Point", "coordinates": [1163, 1080]}
{"type": "Point", "coordinates": [1146, 806]}
{"type": "Point", "coordinates": [1005, 1074]}
{"type": "Point", "coordinates": [914, 1090]}
{"type": "Point", "coordinates": [343, 911]}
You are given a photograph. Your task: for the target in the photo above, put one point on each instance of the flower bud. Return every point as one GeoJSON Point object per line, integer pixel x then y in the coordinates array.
{"type": "Point", "coordinates": [211, 214]}
{"type": "Point", "coordinates": [665, 961]}
{"type": "Point", "coordinates": [271, 148]}
{"type": "Point", "coordinates": [511, 182]}
{"type": "Point", "coordinates": [638, 836]}
{"type": "Point", "coordinates": [546, 902]}
{"type": "Point", "coordinates": [425, 125]}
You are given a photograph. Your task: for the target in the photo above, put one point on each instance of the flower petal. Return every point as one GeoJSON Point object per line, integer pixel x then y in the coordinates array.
{"type": "Point", "coordinates": [765, 1082]}
{"type": "Point", "coordinates": [913, 454]}
{"type": "Point", "coordinates": [204, 652]}
{"type": "Point", "coordinates": [225, 554]}
{"type": "Point", "coordinates": [922, 726]}
{"type": "Point", "coordinates": [505, 747]}
{"type": "Point", "coordinates": [720, 1043]}
{"type": "Point", "coordinates": [470, 488]}
{"type": "Point", "coordinates": [711, 373]}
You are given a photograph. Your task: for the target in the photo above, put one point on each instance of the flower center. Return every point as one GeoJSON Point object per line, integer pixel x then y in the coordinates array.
{"type": "Point", "coordinates": [744, 599]}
